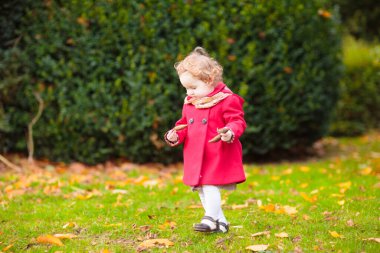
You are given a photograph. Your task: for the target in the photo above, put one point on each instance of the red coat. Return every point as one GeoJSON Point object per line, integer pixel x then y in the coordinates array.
{"type": "Point", "coordinates": [217, 163]}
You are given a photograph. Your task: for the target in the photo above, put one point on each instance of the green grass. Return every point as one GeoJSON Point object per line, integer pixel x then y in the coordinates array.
{"type": "Point", "coordinates": [42, 201]}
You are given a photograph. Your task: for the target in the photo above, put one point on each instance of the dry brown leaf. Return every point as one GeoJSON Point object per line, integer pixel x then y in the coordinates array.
{"type": "Point", "coordinates": [156, 243]}
{"type": "Point", "coordinates": [372, 239]}
{"type": "Point", "coordinates": [261, 233]}
{"type": "Point", "coordinates": [65, 236]}
{"type": "Point", "coordinates": [282, 235]}
{"type": "Point", "coordinates": [168, 224]}
{"type": "Point", "coordinates": [258, 247]}
{"type": "Point", "coordinates": [234, 207]}
{"type": "Point", "coordinates": [49, 239]}
{"type": "Point", "coordinates": [350, 223]}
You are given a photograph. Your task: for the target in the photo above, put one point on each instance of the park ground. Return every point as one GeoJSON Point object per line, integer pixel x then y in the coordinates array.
{"type": "Point", "coordinates": [326, 203]}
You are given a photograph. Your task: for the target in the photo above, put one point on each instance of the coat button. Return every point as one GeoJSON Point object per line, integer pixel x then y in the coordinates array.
{"type": "Point", "coordinates": [191, 121]}
{"type": "Point", "coordinates": [204, 121]}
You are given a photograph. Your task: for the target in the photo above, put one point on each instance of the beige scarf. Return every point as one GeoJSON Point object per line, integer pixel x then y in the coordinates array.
{"type": "Point", "coordinates": [207, 102]}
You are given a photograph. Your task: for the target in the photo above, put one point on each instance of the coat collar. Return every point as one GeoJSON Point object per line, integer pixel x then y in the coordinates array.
{"type": "Point", "coordinates": [220, 92]}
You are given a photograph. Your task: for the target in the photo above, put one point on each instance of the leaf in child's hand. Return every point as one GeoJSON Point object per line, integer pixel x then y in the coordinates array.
{"type": "Point", "coordinates": [259, 247]}
{"type": "Point", "coordinates": [49, 239]}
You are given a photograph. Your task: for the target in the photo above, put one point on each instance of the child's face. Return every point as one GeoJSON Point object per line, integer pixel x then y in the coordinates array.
{"type": "Point", "coordinates": [194, 86]}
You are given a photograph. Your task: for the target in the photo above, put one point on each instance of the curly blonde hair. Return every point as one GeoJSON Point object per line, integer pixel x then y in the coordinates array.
{"type": "Point", "coordinates": [201, 66]}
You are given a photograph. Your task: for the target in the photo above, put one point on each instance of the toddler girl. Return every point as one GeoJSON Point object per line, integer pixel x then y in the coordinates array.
{"type": "Point", "coordinates": [212, 122]}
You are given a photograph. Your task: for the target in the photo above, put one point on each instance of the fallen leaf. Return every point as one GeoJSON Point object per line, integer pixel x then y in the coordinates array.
{"type": "Point", "coordinates": [7, 248]}
{"type": "Point", "coordinates": [341, 203]}
{"type": "Point", "coordinates": [234, 207]}
{"type": "Point", "coordinates": [70, 225]}
{"type": "Point", "coordinates": [114, 225]}
{"type": "Point", "coordinates": [261, 233]}
{"type": "Point", "coordinates": [350, 223]}
{"type": "Point", "coordinates": [372, 239]}
{"type": "Point", "coordinates": [168, 224]}
{"type": "Point", "coordinates": [365, 171]}
{"type": "Point", "coordinates": [335, 234]}
{"type": "Point", "coordinates": [65, 236]}
{"type": "Point", "coordinates": [49, 239]}
{"type": "Point", "coordinates": [304, 169]}
{"type": "Point", "coordinates": [282, 235]}
{"type": "Point", "coordinates": [156, 243]}
{"type": "Point", "coordinates": [309, 199]}
{"type": "Point", "coordinates": [258, 247]}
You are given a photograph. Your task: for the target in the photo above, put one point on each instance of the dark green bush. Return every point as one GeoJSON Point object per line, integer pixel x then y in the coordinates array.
{"type": "Point", "coordinates": [358, 109]}
{"type": "Point", "coordinates": [105, 72]}
{"type": "Point", "coordinates": [361, 18]}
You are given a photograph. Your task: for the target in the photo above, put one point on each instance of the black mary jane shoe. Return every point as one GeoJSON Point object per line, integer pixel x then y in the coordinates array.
{"type": "Point", "coordinates": [223, 227]}
{"type": "Point", "coordinates": [202, 227]}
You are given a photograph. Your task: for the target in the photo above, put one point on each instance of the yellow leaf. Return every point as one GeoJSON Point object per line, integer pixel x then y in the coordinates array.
{"type": "Point", "coordinates": [65, 236]}
{"type": "Point", "coordinates": [307, 198]}
{"type": "Point", "coordinates": [304, 169]}
{"type": "Point", "coordinates": [49, 239]}
{"type": "Point", "coordinates": [345, 185]}
{"type": "Point", "coordinates": [105, 251]}
{"type": "Point", "coordinates": [156, 242]}
{"type": "Point", "coordinates": [282, 235]}
{"type": "Point", "coordinates": [114, 225]}
{"type": "Point", "coordinates": [335, 234]}
{"type": "Point", "coordinates": [7, 248]}
{"type": "Point", "coordinates": [341, 203]}
{"type": "Point", "coordinates": [258, 247]}
{"type": "Point", "coordinates": [365, 171]}
{"type": "Point", "coordinates": [304, 185]}
{"type": "Point", "coordinates": [306, 217]}
{"type": "Point", "coordinates": [194, 206]}
{"type": "Point", "coordinates": [287, 172]}
{"type": "Point", "coordinates": [168, 223]}
{"type": "Point", "coordinates": [275, 178]}
{"type": "Point", "coordinates": [372, 239]}
{"type": "Point", "coordinates": [70, 225]}
{"type": "Point", "coordinates": [261, 233]}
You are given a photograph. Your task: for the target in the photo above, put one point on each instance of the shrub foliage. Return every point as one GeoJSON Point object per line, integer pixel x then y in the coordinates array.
{"type": "Point", "coordinates": [105, 72]}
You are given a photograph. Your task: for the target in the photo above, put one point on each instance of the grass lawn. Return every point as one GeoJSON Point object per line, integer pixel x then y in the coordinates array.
{"type": "Point", "coordinates": [329, 204]}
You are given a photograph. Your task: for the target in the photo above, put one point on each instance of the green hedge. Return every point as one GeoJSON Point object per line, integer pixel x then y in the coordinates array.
{"type": "Point", "coordinates": [105, 72]}
{"type": "Point", "coordinates": [358, 108]}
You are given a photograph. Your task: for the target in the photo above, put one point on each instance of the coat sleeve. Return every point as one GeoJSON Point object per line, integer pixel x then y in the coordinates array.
{"type": "Point", "coordinates": [233, 115]}
{"type": "Point", "coordinates": [181, 133]}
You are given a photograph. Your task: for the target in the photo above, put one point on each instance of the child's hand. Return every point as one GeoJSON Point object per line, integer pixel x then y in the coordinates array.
{"type": "Point", "coordinates": [226, 136]}
{"type": "Point", "coordinates": [172, 136]}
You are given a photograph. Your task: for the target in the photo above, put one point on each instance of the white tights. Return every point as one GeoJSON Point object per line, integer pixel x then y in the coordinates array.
{"type": "Point", "coordinates": [211, 201]}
